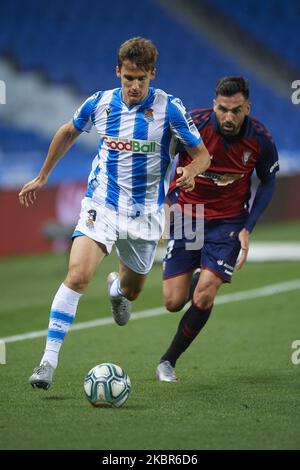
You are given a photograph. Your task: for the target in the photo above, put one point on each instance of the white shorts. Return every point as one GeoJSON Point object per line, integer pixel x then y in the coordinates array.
{"type": "Point", "coordinates": [135, 238]}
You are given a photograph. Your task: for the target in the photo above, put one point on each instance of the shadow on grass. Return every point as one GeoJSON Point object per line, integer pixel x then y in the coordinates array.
{"type": "Point", "coordinates": [59, 398]}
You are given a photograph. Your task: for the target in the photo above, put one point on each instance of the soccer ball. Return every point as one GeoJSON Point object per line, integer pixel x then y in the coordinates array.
{"type": "Point", "coordinates": [107, 385]}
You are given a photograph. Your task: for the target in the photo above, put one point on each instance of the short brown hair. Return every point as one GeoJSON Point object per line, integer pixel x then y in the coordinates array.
{"type": "Point", "coordinates": [140, 51]}
{"type": "Point", "coordinates": [229, 86]}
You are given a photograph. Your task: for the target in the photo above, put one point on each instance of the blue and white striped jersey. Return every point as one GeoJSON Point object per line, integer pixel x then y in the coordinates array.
{"type": "Point", "coordinates": [131, 172]}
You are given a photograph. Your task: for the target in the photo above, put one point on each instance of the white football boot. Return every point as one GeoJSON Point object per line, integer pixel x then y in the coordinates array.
{"type": "Point", "coordinates": [42, 376]}
{"type": "Point", "coordinates": [120, 306]}
{"type": "Point", "coordinates": [165, 372]}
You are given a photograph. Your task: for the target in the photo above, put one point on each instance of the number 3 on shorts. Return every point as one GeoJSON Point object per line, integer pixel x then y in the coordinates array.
{"type": "Point", "coordinates": [169, 249]}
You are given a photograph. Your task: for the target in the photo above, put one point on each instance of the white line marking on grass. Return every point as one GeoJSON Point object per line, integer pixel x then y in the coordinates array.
{"type": "Point", "coordinates": [266, 291]}
{"type": "Point", "coordinates": [259, 292]}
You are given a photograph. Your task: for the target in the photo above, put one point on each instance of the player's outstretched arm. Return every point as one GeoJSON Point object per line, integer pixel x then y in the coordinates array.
{"type": "Point", "coordinates": [261, 201]}
{"type": "Point", "coordinates": [61, 142]}
{"type": "Point", "coordinates": [200, 163]}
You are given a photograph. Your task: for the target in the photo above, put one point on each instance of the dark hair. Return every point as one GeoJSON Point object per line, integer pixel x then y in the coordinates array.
{"type": "Point", "coordinates": [140, 51]}
{"type": "Point", "coordinates": [229, 86]}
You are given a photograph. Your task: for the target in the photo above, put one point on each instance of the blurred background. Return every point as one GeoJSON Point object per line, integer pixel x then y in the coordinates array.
{"type": "Point", "coordinates": [54, 54]}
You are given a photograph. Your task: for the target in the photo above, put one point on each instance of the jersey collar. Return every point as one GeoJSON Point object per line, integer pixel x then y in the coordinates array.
{"type": "Point", "coordinates": [140, 103]}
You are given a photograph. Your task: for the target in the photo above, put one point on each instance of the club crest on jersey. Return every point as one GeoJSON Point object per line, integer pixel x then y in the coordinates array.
{"type": "Point", "coordinates": [148, 115]}
{"type": "Point", "coordinates": [246, 157]}
{"type": "Point", "coordinates": [92, 214]}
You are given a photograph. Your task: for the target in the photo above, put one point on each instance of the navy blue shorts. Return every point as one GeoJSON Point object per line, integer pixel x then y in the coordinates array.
{"type": "Point", "coordinates": [218, 254]}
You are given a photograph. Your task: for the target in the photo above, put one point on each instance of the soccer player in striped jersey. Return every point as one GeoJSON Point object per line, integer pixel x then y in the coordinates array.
{"type": "Point", "coordinates": [138, 126]}
{"type": "Point", "coordinates": [238, 145]}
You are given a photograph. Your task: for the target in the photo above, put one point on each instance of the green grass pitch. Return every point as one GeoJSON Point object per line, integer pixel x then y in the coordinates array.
{"type": "Point", "coordinates": [238, 388]}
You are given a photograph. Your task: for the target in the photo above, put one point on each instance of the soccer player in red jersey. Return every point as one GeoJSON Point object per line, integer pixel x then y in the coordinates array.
{"type": "Point", "coordinates": [238, 145]}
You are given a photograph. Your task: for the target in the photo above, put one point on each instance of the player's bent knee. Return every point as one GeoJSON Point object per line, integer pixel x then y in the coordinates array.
{"type": "Point", "coordinates": [77, 280]}
{"type": "Point", "coordinates": [173, 305]}
{"type": "Point", "coordinates": [203, 300]}
{"type": "Point", "coordinates": [131, 293]}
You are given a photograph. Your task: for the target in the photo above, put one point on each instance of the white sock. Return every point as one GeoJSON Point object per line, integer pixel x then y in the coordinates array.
{"type": "Point", "coordinates": [62, 314]}
{"type": "Point", "coordinates": [115, 289]}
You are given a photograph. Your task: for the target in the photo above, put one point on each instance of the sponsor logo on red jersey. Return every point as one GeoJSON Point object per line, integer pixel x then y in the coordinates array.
{"type": "Point", "coordinates": [221, 179]}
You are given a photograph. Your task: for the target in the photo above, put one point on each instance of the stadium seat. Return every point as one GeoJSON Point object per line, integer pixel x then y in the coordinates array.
{"type": "Point", "coordinates": [71, 44]}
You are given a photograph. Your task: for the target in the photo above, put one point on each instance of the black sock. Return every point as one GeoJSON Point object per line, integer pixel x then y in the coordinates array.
{"type": "Point", "coordinates": [190, 325]}
{"type": "Point", "coordinates": [194, 282]}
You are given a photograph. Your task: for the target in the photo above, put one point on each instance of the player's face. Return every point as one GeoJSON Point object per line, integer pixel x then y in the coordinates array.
{"type": "Point", "coordinates": [231, 112]}
{"type": "Point", "coordinates": [134, 81]}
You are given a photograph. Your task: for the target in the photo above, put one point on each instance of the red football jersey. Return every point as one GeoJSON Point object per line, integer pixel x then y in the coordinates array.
{"type": "Point", "coordinates": [224, 188]}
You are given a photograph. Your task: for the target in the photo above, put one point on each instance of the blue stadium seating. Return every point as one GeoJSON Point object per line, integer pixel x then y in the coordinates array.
{"type": "Point", "coordinates": [22, 153]}
{"type": "Point", "coordinates": [274, 23]}
{"type": "Point", "coordinates": [76, 42]}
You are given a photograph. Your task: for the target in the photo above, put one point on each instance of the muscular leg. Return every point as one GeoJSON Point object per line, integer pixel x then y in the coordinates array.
{"type": "Point", "coordinates": [124, 287]}
{"type": "Point", "coordinates": [176, 291]}
{"type": "Point", "coordinates": [131, 283]}
{"type": "Point", "coordinates": [195, 317]}
{"type": "Point", "coordinates": [85, 256]}
{"type": "Point", "coordinates": [206, 289]}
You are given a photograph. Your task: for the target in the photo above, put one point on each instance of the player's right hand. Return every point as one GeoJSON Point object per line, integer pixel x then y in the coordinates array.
{"type": "Point", "coordinates": [28, 192]}
{"type": "Point", "coordinates": [186, 180]}
{"type": "Point", "coordinates": [244, 241]}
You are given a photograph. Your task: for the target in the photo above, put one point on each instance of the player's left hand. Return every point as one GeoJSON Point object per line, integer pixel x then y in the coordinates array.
{"type": "Point", "coordinates": [185, 181]}
{"type": "Point", "coordinates": [244, 239]}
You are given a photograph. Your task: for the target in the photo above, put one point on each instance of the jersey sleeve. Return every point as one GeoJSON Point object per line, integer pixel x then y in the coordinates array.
{"type": "Point", "coordinates": [182, 124]}
{"type": "Point", "coordinates": [267, 164]}
{"type": "Point", "coordinates": [84, 116]}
